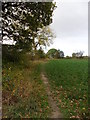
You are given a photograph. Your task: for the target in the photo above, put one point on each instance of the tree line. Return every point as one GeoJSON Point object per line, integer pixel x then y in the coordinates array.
{"type": "Point", "coordinates": [27, 25]}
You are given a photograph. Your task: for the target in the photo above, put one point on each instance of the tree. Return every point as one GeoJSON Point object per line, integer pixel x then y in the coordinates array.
{"type": "Point", "coordinates": [22, 21]}
{"type": "Point", "coordinates": [68, 57]}
{"type": "Point", "coordinates": [40, 53]}
{"type": "Point", "coordinates": [44, 38]}
{"type": "Point", "coordinates": [54, 53]}
{"type": "Point", "coordinates": [78, 54]}
{"type": "Point", "coordinates": [61, 54]}
{"type": "Point", "coordinates": [73, 55]}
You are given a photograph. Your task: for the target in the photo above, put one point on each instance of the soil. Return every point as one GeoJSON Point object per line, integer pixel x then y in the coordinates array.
{"type": "Point", "coordinates": [52, 103]}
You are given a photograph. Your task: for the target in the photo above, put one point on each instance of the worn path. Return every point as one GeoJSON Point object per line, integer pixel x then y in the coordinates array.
{"type": "Point", "coordinates": [55, 110]}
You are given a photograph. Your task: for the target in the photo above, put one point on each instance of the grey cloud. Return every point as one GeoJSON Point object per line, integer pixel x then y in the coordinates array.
{"type": "Point", "coordinates": [70, 24]}
{"type": "Point", "coordinates": [70, 19]}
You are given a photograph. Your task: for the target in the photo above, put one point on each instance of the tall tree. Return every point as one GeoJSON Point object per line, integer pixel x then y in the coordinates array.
{"type": "Point", "coordinates": [22, 21]}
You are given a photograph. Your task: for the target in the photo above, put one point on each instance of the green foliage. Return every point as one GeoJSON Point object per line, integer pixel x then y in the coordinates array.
{"type": "Point", "coordinates": [22, 20]}
{"type": "Point", "coordinates": [54, 53]}
{"type": "Point", "coordinates": [68, 57]}
{"type": "Point", "coordinates": [10, 54]}
{"type": "Point", "coordinates": [45, 36]}
{"type": "Point", "coordinates": [69, 82]}
{"type": "Point", "coordinates": [73, 55]}
{"type": "Point", "coordinates": [41, 54]}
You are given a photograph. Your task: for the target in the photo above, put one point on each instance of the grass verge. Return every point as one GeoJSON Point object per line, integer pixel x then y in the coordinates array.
{"type": "Point", "coordinates": [23, 91]}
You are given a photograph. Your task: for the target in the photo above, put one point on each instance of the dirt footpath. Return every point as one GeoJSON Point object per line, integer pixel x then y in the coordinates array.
{"type": "Point", "coordinates": [55, 110]}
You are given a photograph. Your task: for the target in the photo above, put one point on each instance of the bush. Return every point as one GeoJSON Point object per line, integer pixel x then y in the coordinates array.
{"type": "Point", "coordinates": [68, 57]}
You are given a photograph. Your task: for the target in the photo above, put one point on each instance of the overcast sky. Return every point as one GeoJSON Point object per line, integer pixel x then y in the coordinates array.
{"type": "Point", "coordinates": [70, 25]}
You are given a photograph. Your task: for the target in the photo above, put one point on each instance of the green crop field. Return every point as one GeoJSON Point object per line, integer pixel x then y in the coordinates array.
{"type": "Point", "coordinates": [69, 83]}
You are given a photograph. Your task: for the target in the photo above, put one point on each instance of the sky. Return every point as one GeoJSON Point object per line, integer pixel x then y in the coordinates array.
{"type": "Point", "coordinates": [70, 25]}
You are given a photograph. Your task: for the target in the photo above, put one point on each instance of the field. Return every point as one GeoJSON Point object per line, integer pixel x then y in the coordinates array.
{"type": "Point", "coordinates": [69, 83]}
{"type": "Point", "coordinates": [24, 93]}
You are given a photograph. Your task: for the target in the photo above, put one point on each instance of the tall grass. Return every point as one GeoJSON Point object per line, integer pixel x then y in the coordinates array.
{"type": "Point", "coordinates": [24, 95]}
